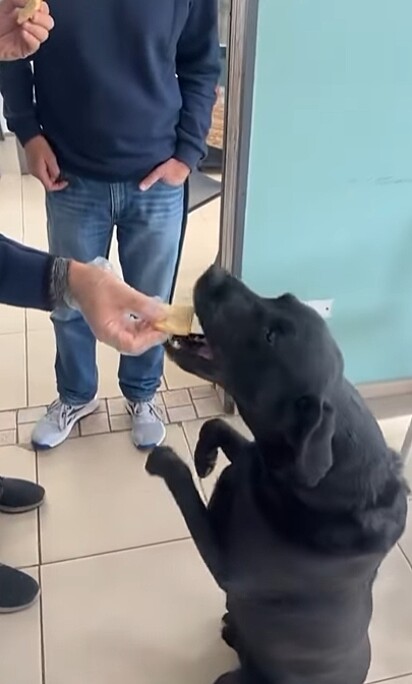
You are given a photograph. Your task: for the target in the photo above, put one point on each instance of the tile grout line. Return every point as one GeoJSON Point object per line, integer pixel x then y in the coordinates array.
{"type": "Point", "coordinates": [26, 331]}
{"type": "Point", "coordinates": [10, 437]}
{"type": "Point", "coordinates": [40, 564]}
{"type": "Point", "coordinates": [404, 556]}
{"type": "Point", "coordinates": [396, 678]}
{"type": "Point", "coordinates": [202, 489]}
{"type": "Point", "coordinates": [102, 554]}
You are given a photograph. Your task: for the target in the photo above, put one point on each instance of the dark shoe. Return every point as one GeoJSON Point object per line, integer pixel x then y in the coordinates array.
{"type": "Point", "coordinates": [17, 590]}
{"type": "Point", "coordinates": [19, 496]}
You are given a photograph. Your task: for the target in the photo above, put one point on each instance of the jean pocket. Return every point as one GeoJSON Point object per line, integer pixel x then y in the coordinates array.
{"type": "Point", "coordinates": [171, 186]}
{"type": "Point", "coordinates": [67, 176]}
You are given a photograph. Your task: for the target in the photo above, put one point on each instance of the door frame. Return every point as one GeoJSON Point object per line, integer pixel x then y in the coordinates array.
{"type": "Point", "coordinates": [241, 56]}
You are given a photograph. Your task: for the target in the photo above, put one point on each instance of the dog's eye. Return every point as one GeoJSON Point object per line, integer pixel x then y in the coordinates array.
{"type": "Point", "coordinates": [271, 335]}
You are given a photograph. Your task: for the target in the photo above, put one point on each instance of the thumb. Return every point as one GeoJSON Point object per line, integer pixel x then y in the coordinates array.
{"type": "Point", "coordinates": [150, 309]}
{"type": "Point", "coordinates": [152, 178]}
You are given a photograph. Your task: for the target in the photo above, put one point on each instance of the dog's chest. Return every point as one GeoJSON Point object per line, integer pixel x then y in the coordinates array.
{"type": "Point", "coordinates": [260, 560]}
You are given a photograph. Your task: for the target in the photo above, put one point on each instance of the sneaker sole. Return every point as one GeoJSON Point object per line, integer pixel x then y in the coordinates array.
{"type": "Point", "coordinates": [21, 509]}
{"type": "Point", "coordinates": [19, 609]}
{"type": "Point", "coordinates": [47, 447]}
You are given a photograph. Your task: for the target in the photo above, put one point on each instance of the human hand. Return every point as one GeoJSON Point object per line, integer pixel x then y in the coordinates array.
{"type": "Point", "coordinates": [173, 172]}
{"type": "Point", "coordinates": [108, 305]}
{"type": "Point", "coordinates": [19, 41]}
{"type": "Point", "coordinates": [42, 164]}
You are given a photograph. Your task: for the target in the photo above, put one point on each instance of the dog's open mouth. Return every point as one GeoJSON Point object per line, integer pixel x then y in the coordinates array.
{"type": "Point", "coordinates": [194, 344]}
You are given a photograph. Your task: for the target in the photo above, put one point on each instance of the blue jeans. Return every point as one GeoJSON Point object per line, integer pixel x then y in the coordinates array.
{"type": "Point", "coordinates": [81, 221]}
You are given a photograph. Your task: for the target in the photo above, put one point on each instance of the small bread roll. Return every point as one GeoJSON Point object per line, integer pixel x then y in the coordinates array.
{"type": "Point", "coordinates": [28, 11]}
{"type": "Point", "coordinates": [178, 320]}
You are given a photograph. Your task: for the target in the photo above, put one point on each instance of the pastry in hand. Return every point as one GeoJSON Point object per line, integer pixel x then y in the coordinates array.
{"type": "Point", "coordinates": [28, 11]}
{"type": "Point", "coordinates": [178, 320]}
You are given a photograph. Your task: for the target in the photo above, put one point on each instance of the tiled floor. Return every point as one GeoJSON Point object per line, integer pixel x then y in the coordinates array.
{"type": "Point", "coordinates": [125, 596]}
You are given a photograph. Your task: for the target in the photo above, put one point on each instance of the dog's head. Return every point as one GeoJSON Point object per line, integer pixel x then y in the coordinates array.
{"type": "Point", "coordinates": [279, 362]}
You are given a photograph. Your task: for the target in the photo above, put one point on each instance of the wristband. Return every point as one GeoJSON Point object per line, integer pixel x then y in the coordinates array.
{"type": "Point", "coordinates": [59, 282]}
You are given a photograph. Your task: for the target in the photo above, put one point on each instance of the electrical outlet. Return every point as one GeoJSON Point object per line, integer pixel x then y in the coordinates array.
{"type": "Point", "coordinates": [322, 306]}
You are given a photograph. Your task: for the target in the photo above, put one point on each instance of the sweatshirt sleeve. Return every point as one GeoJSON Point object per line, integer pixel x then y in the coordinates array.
{"type": "Point", "coordinates": [17, 88]}
{"type": "Point", "coordinates": [198, 70]}
{"type": "Point", "coordinates": [25, 276]}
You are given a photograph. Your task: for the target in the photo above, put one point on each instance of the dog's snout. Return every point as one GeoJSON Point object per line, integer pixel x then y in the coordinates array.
{"type": "Point", "coordinates": [213, 282]}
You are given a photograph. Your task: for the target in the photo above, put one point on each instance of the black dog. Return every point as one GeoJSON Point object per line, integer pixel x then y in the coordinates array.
{"type": "Point", "coordinates": [302, 518]}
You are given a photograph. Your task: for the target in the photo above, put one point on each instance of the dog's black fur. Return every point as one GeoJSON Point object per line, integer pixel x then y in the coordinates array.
{"type": "Point", "coordinates": [301, 519]}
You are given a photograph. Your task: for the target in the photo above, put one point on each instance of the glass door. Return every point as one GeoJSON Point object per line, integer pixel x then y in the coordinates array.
{"type": "Point", "coordinates": [214, 160]}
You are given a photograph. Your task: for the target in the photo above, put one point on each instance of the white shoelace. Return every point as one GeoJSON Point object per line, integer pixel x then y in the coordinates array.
{"type": "Point", "coordinates": [148, 408]}
{"type": "Point", "coordinates": [61, 413]}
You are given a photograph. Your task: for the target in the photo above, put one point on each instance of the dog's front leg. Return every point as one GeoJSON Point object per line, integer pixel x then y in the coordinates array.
{"type": "Point", "coordinates": [165, 463]}
{"type": "Point", "coordinates": [217, 434]}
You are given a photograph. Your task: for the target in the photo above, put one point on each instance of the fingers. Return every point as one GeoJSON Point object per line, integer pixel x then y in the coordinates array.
{"type": "Point", "coordinates": [153, 177]}
{"type": "Point", "coordinates": [50, 183]}
{"type": "Point", "coordinates": [15, 4]}
{"type": "Point", "coordinates": [131, 302]}
{"type": "Point", "coordinates": [55, 182]}
{"type": "Point", "coordinates": [147, 308]}
{"type": "Point", "coordinates": [31, 42]}
{"type": "Point", "coordinates": [42, 21]}
{"type": "Point", "coordinates": [59, 185]}
{"type": "Point", "coordinates": [34, 35]}
{"type": "Point", "coordinates": [42, 173]}
{"type": "Point", "coordinates": [44, 8]}
{"type": "Point", "coordinates": [135, 338]}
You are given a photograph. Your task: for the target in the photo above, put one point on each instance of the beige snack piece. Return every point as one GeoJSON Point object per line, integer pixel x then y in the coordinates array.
{"type": "Point", "coordinates": [178, 320]}
{"type": "Point", "coordinates": [28, 11]}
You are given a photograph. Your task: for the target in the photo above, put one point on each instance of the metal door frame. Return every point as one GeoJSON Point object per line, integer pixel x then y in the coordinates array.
{"type": "Point", "coordinates": [238, 124]}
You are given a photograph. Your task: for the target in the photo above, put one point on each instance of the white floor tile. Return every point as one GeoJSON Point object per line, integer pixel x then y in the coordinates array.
{"type": "Point", "coordinates": [149, 616]}
{"type": "Point", "coordinates": [11, 206]}
{"type": "Point", "coordinates": [391, 630]}
{"type": "Point", "coordinates": [394, 430]}
{"type": "Point", "coordinates": [41, 376]}
{"type": "Point", "coordinates": [12, 371]}
{"type": "Point", "coordinates": [12, 320]}
{"type": "Point", "coordinates": [34, 213]}
{"type": "Point", "coordinates": [18, 533]}
{"type": "Point", "coordinates": [20, 645]}
{"type": "Point", "coordinates": [100, 498]}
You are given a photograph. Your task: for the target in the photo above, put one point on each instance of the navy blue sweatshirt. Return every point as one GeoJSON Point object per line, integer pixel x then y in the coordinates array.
{"type": "Point", "coordinates": [25, 276]}
{"type": "Point", "coordinates": [120, 86]}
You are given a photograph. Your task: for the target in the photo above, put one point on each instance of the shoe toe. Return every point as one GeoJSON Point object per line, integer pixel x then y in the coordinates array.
{"type": "Point", "coordinates": [148, 436]}
{"type": "Point", "coordinates": [17, 590]}
{"type": "Point", "coordinates": [42, 436]}
{"type": "Point", "coordinates": [20, 494]}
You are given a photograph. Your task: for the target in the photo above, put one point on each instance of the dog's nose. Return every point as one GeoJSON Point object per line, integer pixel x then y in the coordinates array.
{"type": "Point", "coordinates": [213, 281]}
{"type": "Point", "coordinates": [216, 275]}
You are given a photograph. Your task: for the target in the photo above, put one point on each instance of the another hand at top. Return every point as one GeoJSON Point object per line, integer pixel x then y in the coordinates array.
{"type": "Point", "coordinates": [19, 41]}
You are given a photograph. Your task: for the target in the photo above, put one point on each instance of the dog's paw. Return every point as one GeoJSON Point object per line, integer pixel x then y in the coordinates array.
{"type": "Point", "coordinates": [205, 461]}
{"type": "Point", "coordinates": [228, 633]}
{"type": "Point", "coordinates": [206, 452]}
{"type": "Point", "coordinates": [161, 460]}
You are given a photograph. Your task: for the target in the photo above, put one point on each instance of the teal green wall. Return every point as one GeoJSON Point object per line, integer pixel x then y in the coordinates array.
{"type": "Point", "coordinates": [329, 209]}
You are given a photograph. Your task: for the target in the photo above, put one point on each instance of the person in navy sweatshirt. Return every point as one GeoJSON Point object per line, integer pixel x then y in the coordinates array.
{"type": "Point", "coordinates": [34, 279]}
{"type": "Point", "coordinates": [113, 116]}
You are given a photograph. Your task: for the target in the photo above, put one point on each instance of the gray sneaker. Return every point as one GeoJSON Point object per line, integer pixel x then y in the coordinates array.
{"type": "Point", "coordinates": [60, 419]}
{"type": "Point", "coordinates": [148, 430]}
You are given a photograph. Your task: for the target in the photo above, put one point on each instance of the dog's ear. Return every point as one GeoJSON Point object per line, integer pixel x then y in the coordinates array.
{"type": "Point", "coordinates": [310, 435]}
